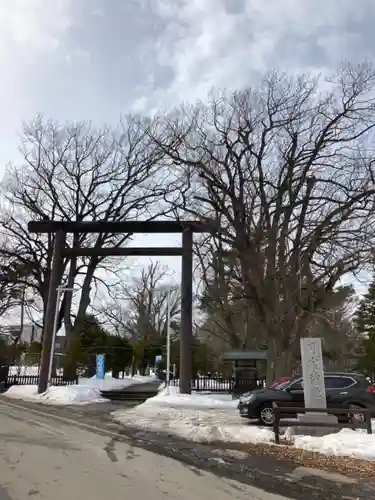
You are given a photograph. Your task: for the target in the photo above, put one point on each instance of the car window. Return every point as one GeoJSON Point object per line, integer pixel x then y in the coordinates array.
{"type": "Point", "coordinates": [296, 386]}
{"type": "Point", "coordinates": [338, 382]}
{"type": "Point", "coordinates": [281, 385]}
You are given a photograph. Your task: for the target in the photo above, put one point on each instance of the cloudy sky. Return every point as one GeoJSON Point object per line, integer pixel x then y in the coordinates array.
{"type": "Point", "coordinates": [95, 59]}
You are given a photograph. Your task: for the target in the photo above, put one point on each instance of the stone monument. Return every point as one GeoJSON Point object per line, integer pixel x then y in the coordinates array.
{"type": "Point", "coordinates": [313, 385]}
{"type": "Point", "coordinates": [313, 373]}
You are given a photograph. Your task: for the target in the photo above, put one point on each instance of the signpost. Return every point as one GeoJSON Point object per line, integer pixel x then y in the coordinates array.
{"type": "Point", "coordinates": [100, 372]}
{"type": "Point", "coordinates": [158, 358]}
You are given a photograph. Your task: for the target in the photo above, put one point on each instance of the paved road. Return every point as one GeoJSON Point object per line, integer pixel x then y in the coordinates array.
{"type": "Point", "coordinates": [45, 458]}
{"type": "Point", "coordinates": [54, 452]}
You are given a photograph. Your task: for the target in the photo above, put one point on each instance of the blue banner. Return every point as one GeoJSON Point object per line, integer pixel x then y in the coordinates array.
{"type": "Point", "coordinates": [100, 373]}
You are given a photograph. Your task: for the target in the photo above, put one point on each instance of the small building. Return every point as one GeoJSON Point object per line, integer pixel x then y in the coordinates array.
{"type": "Point", "coordinates": [249, 368]}
{"type": "Point", "coordinates": [242, 358]}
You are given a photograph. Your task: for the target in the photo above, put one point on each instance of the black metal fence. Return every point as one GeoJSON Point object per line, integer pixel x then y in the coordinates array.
{"type": "Point", "coordinates": [218, 384]}
{"type": "Point", "coordinates": [34, 380]}
{"type": "Point", "coordinates": [199, 384]}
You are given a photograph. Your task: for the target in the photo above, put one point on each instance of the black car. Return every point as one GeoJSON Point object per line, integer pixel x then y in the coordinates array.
{"type": "Point", "coordinates": [343, 390]}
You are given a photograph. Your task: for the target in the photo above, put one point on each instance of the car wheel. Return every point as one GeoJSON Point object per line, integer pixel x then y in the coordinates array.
{"type": "Point", "coordinates": [266, 415]}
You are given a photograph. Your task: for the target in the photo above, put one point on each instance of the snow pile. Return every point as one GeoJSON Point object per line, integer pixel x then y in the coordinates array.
{"type": "Point", "coordinates": [347, 442]}
{"type": "Point", "coordinates": [62, 395]}
{"type": "Point", "coordinates": [204, 426]}
{"type": "Point", "coordinates": [111, 384]}
{"type": "Point", "coordinates": [170, 396]}
{"type": "Point", "coordinates": [87, 391]}
{"type": "Point", "coordinates": [207, 419]}
{"type": "Point", "coordinates": [213, 418]}
{"type": "Point", "coordinates": [24, 370]}
{"type": "Point", "coordinates": [199, 418]}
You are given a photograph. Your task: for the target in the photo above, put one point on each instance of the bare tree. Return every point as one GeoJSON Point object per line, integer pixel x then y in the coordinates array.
{"type": "Point", "coordinates": [287, 171]}
{"type": "Point", "coordinates": [139, 310]}
{"type": "Point", "coordinates": [229, 321]}
{"type": "Point", "coordinates": [12, 290]}
{"type": "Point", "coordinates": [334, 323]}
{"type": "Point", "coordinates": [75, 172]}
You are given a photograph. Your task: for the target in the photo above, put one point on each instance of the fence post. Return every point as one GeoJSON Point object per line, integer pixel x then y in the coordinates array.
{"type": "Point", "coordinates": [368, 421]}
{"type": "Point", "coordinates": [276, 422]}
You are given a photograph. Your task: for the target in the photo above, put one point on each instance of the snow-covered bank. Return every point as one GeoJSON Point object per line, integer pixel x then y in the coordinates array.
{"type": "Point", "coordinates": [200, 418]}
{"type": "Point", "coordinates": [111, 384]}
{"type": "Point", "coordinates": [212, 418]}
{"type": "Point", "coordinates": [24, 370]}
{"type": "Point", "coordinates": [171, 397]}
{"type": "Point", "coordinates": [357, 444]}
{"type": "Point", "coordinates": [62, 395]}
{"type": "Point", "coordinates": [85, 392]}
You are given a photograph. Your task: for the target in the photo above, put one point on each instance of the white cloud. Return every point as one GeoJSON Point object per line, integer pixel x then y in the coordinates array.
{"type": "Point", "coordinates": [229, 43]}
{"type": "Point", "coordinates": [34, 26]}
{"type": "Point", "coordinates": [30, 30]}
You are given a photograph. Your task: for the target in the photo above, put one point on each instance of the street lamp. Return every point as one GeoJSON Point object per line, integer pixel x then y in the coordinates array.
{"type": "Point", "coordinates": [167, 373]}
{"type": "Point", "coordinates": [15, 336]}
{"type": "Point", "coordinates": [60, 290]}
{"type": "Point", "coordinates": [168, 342]}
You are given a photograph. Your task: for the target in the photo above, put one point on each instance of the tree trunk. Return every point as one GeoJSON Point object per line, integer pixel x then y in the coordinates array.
{"type": "Point", "coordinates": [54, 368]}
{"type": "Point", "coordinates": [132, 372]}
{"type": "Point", "coordinates": [279, 360]}
{"type": "Point", "coordinates": [73, 340]}
{"type": "Point", "coordinates": [72, 356]}
{"type": "Point", "coordinates": [69, 296]}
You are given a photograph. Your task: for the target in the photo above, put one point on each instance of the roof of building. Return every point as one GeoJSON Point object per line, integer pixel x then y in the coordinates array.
{"type": "Point", "coordinates": [241, 355]}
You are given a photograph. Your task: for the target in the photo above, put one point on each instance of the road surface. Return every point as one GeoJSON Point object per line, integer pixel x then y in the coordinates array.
{"type": "Point", "coordinates": [70, 452]}
{"type": "Point", "coordinates": [43, 457]}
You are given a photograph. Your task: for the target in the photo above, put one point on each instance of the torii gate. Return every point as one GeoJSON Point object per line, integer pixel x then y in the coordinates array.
{"type": "Point", "coordinates": [61, 228]}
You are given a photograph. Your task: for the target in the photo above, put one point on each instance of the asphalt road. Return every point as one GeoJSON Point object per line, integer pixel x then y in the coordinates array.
{"type": "Point", "coordinates": [41, 457]}
{"type": "Point", "coordinates": [51, 452]}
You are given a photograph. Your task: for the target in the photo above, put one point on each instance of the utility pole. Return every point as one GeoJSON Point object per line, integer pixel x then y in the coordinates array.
{"type": "Point", "coordinates": [22, 322]}
{"type": "Point", "coordinates": [22, 310]}
{"type": "Point", "coordinates": [167, 373]}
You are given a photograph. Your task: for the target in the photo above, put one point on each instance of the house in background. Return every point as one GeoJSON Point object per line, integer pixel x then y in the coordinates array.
{"type": "Point", "coordinates": [5, 337]}
{"type": "Point", "coordinates": [26, 334]}
{"type": "Point", "coordinates": [32, 333]}
{"type": "Point", "coordinates": [60, 344]}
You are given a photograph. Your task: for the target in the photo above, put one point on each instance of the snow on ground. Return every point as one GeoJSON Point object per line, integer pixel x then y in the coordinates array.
{"type": "Point", "coordinates": [170, 396]}
{"type": "Point", "coordinates": [212, 418]}
{"type": "Point", "coordinates": [85, 392]}
{"type": "Point", "coordinates": [196, 417]}
{"type": "Point", "coordinates": [110, 383]}
{"type": "Point", "coordinates": [62, 395]}
{"type": "Point", "coordinates": [24, 370]}
{"type": "Point", "coordinates": [346, 442]}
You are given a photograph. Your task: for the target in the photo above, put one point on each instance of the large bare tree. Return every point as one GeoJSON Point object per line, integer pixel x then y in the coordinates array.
{"type": "Point", "coordinates": [229, 322]}
{"type": "Point", "coordinates": [138, 310]}
{"type": "Point", "coordinates": [12, 288]}
{"type": "Point", "coordinates": [76, 172]}
{"type": "Point", "coordinates": [287, 171]}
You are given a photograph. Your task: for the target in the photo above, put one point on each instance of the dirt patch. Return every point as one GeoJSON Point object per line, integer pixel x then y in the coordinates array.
{"type": "Point", "coordinates": [350, 466]}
